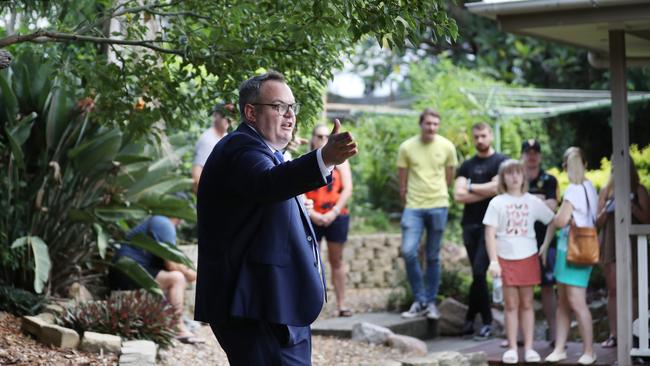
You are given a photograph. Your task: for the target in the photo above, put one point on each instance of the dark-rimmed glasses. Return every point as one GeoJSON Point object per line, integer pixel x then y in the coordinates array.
{"type": "Point", "coordinates": [282, 108]}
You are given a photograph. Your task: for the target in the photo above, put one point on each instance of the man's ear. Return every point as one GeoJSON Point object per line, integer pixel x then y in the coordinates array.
{"type": "Point", "coordinates": [250, 112]}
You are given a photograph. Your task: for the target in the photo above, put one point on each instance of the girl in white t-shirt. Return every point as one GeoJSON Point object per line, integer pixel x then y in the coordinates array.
{"type": "Point", "coordinates": [511, 244]}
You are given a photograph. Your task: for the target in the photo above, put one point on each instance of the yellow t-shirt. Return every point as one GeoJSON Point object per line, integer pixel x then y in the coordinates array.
{"type": "Point", "coordinates": [426, 163]}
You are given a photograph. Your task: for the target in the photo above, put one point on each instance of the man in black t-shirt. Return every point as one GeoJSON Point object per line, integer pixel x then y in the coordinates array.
{"type": "Point", "coordinates": [476, 184]}
{"type": "Point", "coordinates": [543, 186]}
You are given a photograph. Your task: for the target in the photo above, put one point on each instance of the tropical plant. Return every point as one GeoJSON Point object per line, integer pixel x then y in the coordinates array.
{"type": "Point", "coordinates": [20, 302]}
{"type": "Point", "coordinates": [128, 314]}
{"type": "Point", "coordinates": [72, 186]}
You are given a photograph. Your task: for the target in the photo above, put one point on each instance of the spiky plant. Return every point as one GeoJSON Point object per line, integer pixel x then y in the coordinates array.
{"type": "Point", "coordinates": [129, 314]}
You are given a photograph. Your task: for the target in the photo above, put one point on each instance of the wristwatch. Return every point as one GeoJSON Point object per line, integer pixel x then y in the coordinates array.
{"type": "Point", "coordinates": [469, 185]}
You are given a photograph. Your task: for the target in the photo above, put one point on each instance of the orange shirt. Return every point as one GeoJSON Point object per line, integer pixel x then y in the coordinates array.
{"type": "Point", "coordinates": [326, 197]}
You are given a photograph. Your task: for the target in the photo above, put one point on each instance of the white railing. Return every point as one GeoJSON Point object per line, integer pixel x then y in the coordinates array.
{"type": "Point", "coordinates": [641, 232]}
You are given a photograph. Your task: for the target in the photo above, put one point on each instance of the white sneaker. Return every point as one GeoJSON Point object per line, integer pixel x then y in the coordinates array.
{"type": "Point", "coordinates": [586, 359]}
{"type": "Point", "coordinates": [432, 311]}
{"type": "Point", "coordinates": [416, 310]}
{"type": "Point", "coordinates": [555, 357]}
{"type": "Point", "coordinates": [532, 357]}
{"type": "Point", "coordinates": [510, 357]}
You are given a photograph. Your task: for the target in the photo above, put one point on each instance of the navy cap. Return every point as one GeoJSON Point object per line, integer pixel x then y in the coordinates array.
{"type": "Point", "coordinates": [531, 144]}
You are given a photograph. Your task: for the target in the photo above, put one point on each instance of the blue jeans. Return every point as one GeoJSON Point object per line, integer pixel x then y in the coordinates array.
{"type": "Point", "coordinates": [414, 221]}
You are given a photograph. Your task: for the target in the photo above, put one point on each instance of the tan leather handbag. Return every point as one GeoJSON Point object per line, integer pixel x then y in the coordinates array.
{"type": "Point", "coordinates": [583, 248]}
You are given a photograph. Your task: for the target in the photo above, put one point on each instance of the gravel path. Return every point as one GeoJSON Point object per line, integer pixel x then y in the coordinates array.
{"type": "Point", "coordinates": [19, 349]}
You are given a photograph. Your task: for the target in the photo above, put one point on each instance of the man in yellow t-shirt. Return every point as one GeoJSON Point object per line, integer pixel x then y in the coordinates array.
{"type": "Point", "coordinates": [425, 165]}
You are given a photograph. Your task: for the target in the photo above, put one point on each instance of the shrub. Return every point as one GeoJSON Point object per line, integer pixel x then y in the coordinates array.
{"type": "Point", "coordinates": [129, 314]}
{"type": "Point", "coordinates": [20, 302]}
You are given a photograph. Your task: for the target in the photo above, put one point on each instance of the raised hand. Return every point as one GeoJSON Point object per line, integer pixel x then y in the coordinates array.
{"type": "Point", "coordinates": [340, 146]}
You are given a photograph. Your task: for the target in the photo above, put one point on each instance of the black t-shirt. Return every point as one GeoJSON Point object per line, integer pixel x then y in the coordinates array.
{"type": "Point", "coordinates": [546, 185]}
{"type": "Point", "coordinates": [479, 170]}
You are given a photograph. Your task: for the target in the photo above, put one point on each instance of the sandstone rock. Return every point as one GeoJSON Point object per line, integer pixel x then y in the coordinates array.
{"type": "Point", "coordinates": [47, 317]}
{"type": "Point", "coordinates": [477, 358]}
{"type": "Point", "coordinates": [79, 293]}
{"type": "Point", "coordinates": [138, 353]}
{"type": "Point", "coordinates": [450, 359]}
{"type": "Point", "coordinates": [100, 343]}
{"type": "Point", "coordinates": [33, 325]}
{"type": "Point", "coordinates": [59, 336]}
{"type": "Point", "coordinates": [407, 344]}
{"type": "Point", "coordinates": [374, 241]}
{"type": "Point", "coordinates": [452, 317]}
{"type": "Point", "coordinates": [370, 333]}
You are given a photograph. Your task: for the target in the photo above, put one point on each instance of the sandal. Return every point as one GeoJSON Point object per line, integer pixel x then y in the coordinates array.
{"type": "Point", "coordinates": [510, 357]}
{"type": "Point", "coordinates": [609, 342]}
{"type": "Point", "coordinates": [345, 313]}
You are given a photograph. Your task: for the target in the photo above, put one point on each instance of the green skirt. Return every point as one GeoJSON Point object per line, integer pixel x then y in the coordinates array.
{"type": "Point", "coordinates": [568, 273]}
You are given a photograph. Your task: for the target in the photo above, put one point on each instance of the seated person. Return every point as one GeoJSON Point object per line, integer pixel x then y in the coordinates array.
{"type": "Point", "coordinates": [171, 277]}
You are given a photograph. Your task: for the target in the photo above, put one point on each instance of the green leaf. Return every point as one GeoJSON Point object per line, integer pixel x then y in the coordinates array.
{"type": "Point", "coordinates": [22, 131]}
{"type": "Point", "coordinates": [160, 249]}
{"type": "Point", "coordinates": [42, 263]}
{"type": "Point", "coordinates": [9, 102]}
{"type": "Point", "coordinates": [113, 214]}
{"type": "Point", "coordinates": [16, 150]}
{"type": "Point", "coordinates": [58, 108]}
{"type": "Point", "coordinates": [102, 240]}
{"type": "Point", "coordinates": [80, 215]}
{"type": "Point", "coordinates": [93, 155]}
{"type": "Point", "coordinates": [19, 242]}
{"type": "Point", "coordinates": [138, 274]}
{"type": "Point", "coordinates": [169, 206]}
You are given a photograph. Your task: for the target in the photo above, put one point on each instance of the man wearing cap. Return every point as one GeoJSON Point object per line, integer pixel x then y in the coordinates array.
{"type": "Point", "coordinates": [543, 186]}
{"type": "Point", "coordinates": [220, 122]}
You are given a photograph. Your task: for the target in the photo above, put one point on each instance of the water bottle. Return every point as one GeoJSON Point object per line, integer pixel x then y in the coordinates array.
{"type": "Point", "coordinates": [497, 290]}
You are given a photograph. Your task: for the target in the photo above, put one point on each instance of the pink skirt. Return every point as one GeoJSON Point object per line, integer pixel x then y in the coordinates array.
{"type": "Point", "coordinates": [521, 272]}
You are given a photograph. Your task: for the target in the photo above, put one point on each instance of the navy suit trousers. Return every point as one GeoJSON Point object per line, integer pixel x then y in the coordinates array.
{"type": "Point", "coordinates": [257, 342]}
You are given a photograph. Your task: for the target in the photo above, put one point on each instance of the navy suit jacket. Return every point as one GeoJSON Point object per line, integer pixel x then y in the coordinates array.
{"type": "Point", "coordinates": [258, 257]}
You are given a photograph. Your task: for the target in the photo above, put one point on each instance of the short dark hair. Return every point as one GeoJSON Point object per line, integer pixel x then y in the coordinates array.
{"type": "Point", "coordinates": [249, 90]}
{"type": "Point", "coordinates": [480, 126]}
{"type": "Point", "coordinates": [428, 112]}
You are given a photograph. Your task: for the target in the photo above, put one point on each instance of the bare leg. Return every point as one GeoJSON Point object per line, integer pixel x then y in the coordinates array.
{"type": "Point", "coordinates": [511, 297]}
{"type": "Point", "coordinates": [335, 254]}
{"type": "Point", "coordinates": [563, 318]}
{"type": "Point", "coordinates": [549, 305]}
{"type": "Point", "coordinates": [173, 284]}
{"type": "Point", "coordinates": [527, 315]}
{"type": "Point", "coordinates": [577, 298]}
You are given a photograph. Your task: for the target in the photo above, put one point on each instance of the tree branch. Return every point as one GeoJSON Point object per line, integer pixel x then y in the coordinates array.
{"type": "Point", "coordinates": [47, 36]}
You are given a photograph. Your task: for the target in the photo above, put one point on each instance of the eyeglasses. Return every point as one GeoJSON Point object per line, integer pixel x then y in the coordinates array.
{"type": "Point", "coordinates": [283, 108]}
{"type": "Point", "coordinates": [321, 137]}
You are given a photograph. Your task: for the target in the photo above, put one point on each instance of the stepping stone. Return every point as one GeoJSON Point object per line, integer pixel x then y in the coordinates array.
{"type": "Point", "coordinates": [341, 327]}
{"type": "Point", "coordinates": [138, 352]}
{"type": "Point", "coordinates": [99, 342]}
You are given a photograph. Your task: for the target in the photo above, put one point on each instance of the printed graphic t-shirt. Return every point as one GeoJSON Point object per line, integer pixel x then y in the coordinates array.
{"type": "Point", "coordinates": [515, 217]}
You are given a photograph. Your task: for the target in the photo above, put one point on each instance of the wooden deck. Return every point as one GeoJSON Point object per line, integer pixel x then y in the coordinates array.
{"type": "Point", "coordinates": [605, 356]}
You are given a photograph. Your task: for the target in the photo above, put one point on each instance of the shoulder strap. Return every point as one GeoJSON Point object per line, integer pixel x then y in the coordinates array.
{"type": "Point", "coordinates": [593, 219]}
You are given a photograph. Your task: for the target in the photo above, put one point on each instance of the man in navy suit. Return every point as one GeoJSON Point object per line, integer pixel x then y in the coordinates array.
{"type": "Point", "coordinates": [260, 276]}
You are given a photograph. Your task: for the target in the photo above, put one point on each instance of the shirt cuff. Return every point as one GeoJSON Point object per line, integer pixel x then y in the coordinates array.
{"type": "Point", "coordinates": [325, 171]}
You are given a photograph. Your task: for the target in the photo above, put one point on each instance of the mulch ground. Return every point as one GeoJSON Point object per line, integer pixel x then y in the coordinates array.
{"type": "Point", "coordinates": [19, 349]}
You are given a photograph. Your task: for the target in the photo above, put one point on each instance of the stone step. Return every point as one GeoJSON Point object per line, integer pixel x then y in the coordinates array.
{"type": "Point", "coordinates": [341, 327]}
